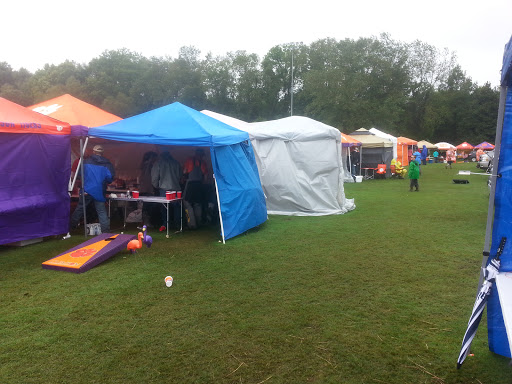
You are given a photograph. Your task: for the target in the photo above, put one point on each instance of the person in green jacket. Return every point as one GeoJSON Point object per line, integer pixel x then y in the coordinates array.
{"type": "Point", "coordinates": [414, 174]}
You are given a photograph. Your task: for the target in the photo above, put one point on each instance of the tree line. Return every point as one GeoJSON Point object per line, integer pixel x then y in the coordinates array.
{"type": "Point", "coordinates": [405, 89]}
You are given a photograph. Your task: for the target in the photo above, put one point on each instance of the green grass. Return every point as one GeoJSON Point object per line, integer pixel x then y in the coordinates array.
{"type": "Point", "coordinates": [379, 295]}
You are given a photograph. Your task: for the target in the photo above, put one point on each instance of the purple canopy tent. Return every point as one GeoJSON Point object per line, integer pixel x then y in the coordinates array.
{"type": "Point", "coordinates": [34, 174]}
{"type": "Point", "coordinates": [485, 146]}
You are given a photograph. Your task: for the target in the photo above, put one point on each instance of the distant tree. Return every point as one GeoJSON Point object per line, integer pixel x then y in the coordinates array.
{"type": "Point", "coordinates": [481, 116]}
{"type": "Point", "coordinates": [54, 80]}
{"type": "Point", "coordinates": [429, 69]}
{"type": "Point", "coordinates": [355, 84]}
{"type": "Point", "coordinates": [113, 74]}
{"type": "Point", "coordinates": [14, 85]}
{"type": "Point", "coordinates": [277, 80]}
{"type": "Point", "coordinates": [247, 84]}
{"type": "Point", "coordinates": [219, 85]}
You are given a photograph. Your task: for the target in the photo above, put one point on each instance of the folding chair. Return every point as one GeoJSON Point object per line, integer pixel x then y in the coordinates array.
{"type": "Point", "coordinates": [381, 170]}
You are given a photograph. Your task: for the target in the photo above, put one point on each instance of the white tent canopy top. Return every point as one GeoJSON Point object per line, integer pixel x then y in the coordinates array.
{"type": "Point", "coordinates": [421, 143]}
{"type": "Point", "coordinates": [443, 146]}
{"type": "Point", "coordinates": [369, 140]}
{"type": "Point", "coordinates": [385, 135]}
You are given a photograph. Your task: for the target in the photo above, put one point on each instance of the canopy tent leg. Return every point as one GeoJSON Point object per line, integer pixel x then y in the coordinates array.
{"type": "Point", "coordinates": [490, 209]}
{"type": "Point", "coordinates": [72, 182]}
{"type": "Point", "coordinates": [220, 213]}
{"type": "Point", "coordinates": [349, 161]}
{"type": "Point", "coordinates": [360, 159]}
{"type": "Point", "coordinates": [82, 148]}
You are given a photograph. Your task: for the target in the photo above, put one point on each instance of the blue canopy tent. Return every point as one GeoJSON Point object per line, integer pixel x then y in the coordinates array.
{"type": "Point", "coordinates": [240, 196]}
{"type": "Point", "coordinates": [499, 217]}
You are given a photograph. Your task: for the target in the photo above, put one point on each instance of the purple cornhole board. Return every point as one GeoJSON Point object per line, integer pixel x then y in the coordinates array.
{"type": "Point", "coordinates": [90, 253]}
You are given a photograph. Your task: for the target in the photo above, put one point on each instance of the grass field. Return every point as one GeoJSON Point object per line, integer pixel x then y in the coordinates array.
{"type": "Point", "coordinates": [379, 295]}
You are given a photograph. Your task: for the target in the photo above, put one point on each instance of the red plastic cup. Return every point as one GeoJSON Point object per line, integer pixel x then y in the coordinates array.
{"type": "Point", "coordinates": [135, 194]}
{"type": "Point", "coordinates": [178, 194]}
{"type": "Point", "coordinates": [168, 195]}
{"type": "Point", "coordinates": [173, 195]}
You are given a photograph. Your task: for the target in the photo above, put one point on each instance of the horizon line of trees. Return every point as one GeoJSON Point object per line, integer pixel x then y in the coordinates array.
{"type": "Point", "coordinates": [405, 89]}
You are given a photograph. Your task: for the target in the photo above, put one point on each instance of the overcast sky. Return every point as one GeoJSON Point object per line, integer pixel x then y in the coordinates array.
{"type": "Point", "coordinates": [38, 32]}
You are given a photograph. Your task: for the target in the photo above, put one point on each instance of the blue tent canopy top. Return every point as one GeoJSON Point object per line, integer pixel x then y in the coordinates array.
{"type": "Point", "coordinates": [173, 124]}
{"type": "Point", "coordinates": [240, 195]}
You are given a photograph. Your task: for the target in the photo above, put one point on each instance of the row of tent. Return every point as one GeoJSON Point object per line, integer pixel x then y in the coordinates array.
{"type": "Point", "coordinates": [290, 166]}
{"type": "Point", "coordinates": [377, 147]}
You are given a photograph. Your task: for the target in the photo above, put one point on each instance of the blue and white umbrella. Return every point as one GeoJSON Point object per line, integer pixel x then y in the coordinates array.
{"type": "Point", "coordinates": [490, 273]}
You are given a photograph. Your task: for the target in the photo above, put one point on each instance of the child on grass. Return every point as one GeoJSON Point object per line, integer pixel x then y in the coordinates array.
{"type": "Point", "coordinates": [414, 174]}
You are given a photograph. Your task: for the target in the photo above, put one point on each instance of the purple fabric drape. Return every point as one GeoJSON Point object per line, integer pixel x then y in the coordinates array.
{"type": "Point", "coordinates": [34, 175]}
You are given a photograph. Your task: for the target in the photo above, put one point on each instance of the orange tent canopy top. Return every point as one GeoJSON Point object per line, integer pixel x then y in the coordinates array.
{"type": "Point", "coordinates": [15, 118]}
{"type": "Point", "coordinates": [464, 146]}
{"type": "Point", "coordinates": [74, 111]}
{"type": "Point", "coordinates": [406, 141]}
{"type": "Point", "coordinates": [349, 141]}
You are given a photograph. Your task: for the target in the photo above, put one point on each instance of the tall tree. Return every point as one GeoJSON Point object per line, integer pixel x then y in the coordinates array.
{"type": "Point", "coordinates": [277, 80]}
{"type": "Point", "coordinates": [429, 69]}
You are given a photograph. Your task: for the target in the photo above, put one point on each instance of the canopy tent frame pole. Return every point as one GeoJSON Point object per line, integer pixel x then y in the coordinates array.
{"type": "Point", "coordinates": [72, 183]}
{"type": "Point", "coordinates": [220, 213]}
{"type": "Point", "coordinates": [83, 185]}
{"type": "Point", "coordinates": [490, 209]}
{"type": "Point", "coordinates": [349, 159]}
{"type": "Point", "coordinates": [360, 159]}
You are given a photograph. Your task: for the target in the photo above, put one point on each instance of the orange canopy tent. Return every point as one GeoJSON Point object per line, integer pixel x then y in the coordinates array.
{"type": "Point", "coordinates": [15, 118]}
{"type": "Point", "coordinates": [463, 150]}
{"type": "Point", "coordinates": [349, 141]}
{"type": "Point", "coordinates": [403, 144]}
{"type": "Point", "coordinates": [464, 147]}
{"type": "Point", "coordinates": [74, 111]}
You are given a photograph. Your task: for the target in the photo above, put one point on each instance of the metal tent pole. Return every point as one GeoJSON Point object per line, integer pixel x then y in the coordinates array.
{"type": "Point", "coordinates": [220, 213]}
{"type": "Point", "coordinates": [349, 160]}
{"type": "Point", "coordinates": [83, 185]}
{"type": "Point", "coordinates": [360, 159]}
{"type": "Point", "coordinates": [72, 183]}
{"type": "Point", "coordinates": [291, 90]}
{"type": "Point", "coordinates": [494, 176]}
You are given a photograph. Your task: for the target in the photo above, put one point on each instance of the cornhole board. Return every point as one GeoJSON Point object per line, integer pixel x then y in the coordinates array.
{"type": "Point", "coordinates": [89, 254]}
{"type": "Point", "coordinates": [504, 285]}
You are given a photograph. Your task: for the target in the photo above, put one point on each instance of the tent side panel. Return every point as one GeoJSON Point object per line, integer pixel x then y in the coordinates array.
{"type": "Point", "coordinates": [372, 157]}
{"type": "Point", "coordinates": [502, 226]}
{"type": "Point", "coordinates": [300, 178]}
{"type": "Point", "coordinates": [241, 197]}
{"type": "Point", "coordinates": [34, 176]}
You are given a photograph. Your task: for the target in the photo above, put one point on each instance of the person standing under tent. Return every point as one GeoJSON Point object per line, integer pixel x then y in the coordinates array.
{"type": "Point", "coordinates": [414, 174]}
{"type": "Point", "coordinates": [450, 158]}
{"type": "Point", "coordinates": [165, 175]}
{"type": "Point", "coordinates": [145, 185]}
{"type": "Point", "coordinates": [354, 159]}
{"type": "Point", "coordinates": [417, 156]}
{"type": "Point", "coordinates": [424, 155]}
{"type": "Point", "coordinates": [436, 155]}
{"type": "Point", "coordinates": [479, 153]}
{"type": "Point", "coordinates": [98, 172]}
{"type": "Point", "coordinates": [195, 172]}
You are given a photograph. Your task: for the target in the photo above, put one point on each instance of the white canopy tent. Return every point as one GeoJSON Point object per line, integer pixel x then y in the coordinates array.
{"type": "Point", "coordinates": [444, 146]}
{"type": "Point", "coordinates": [385, 135]}
{"type": "Point", "coordinates": [300, 165]}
